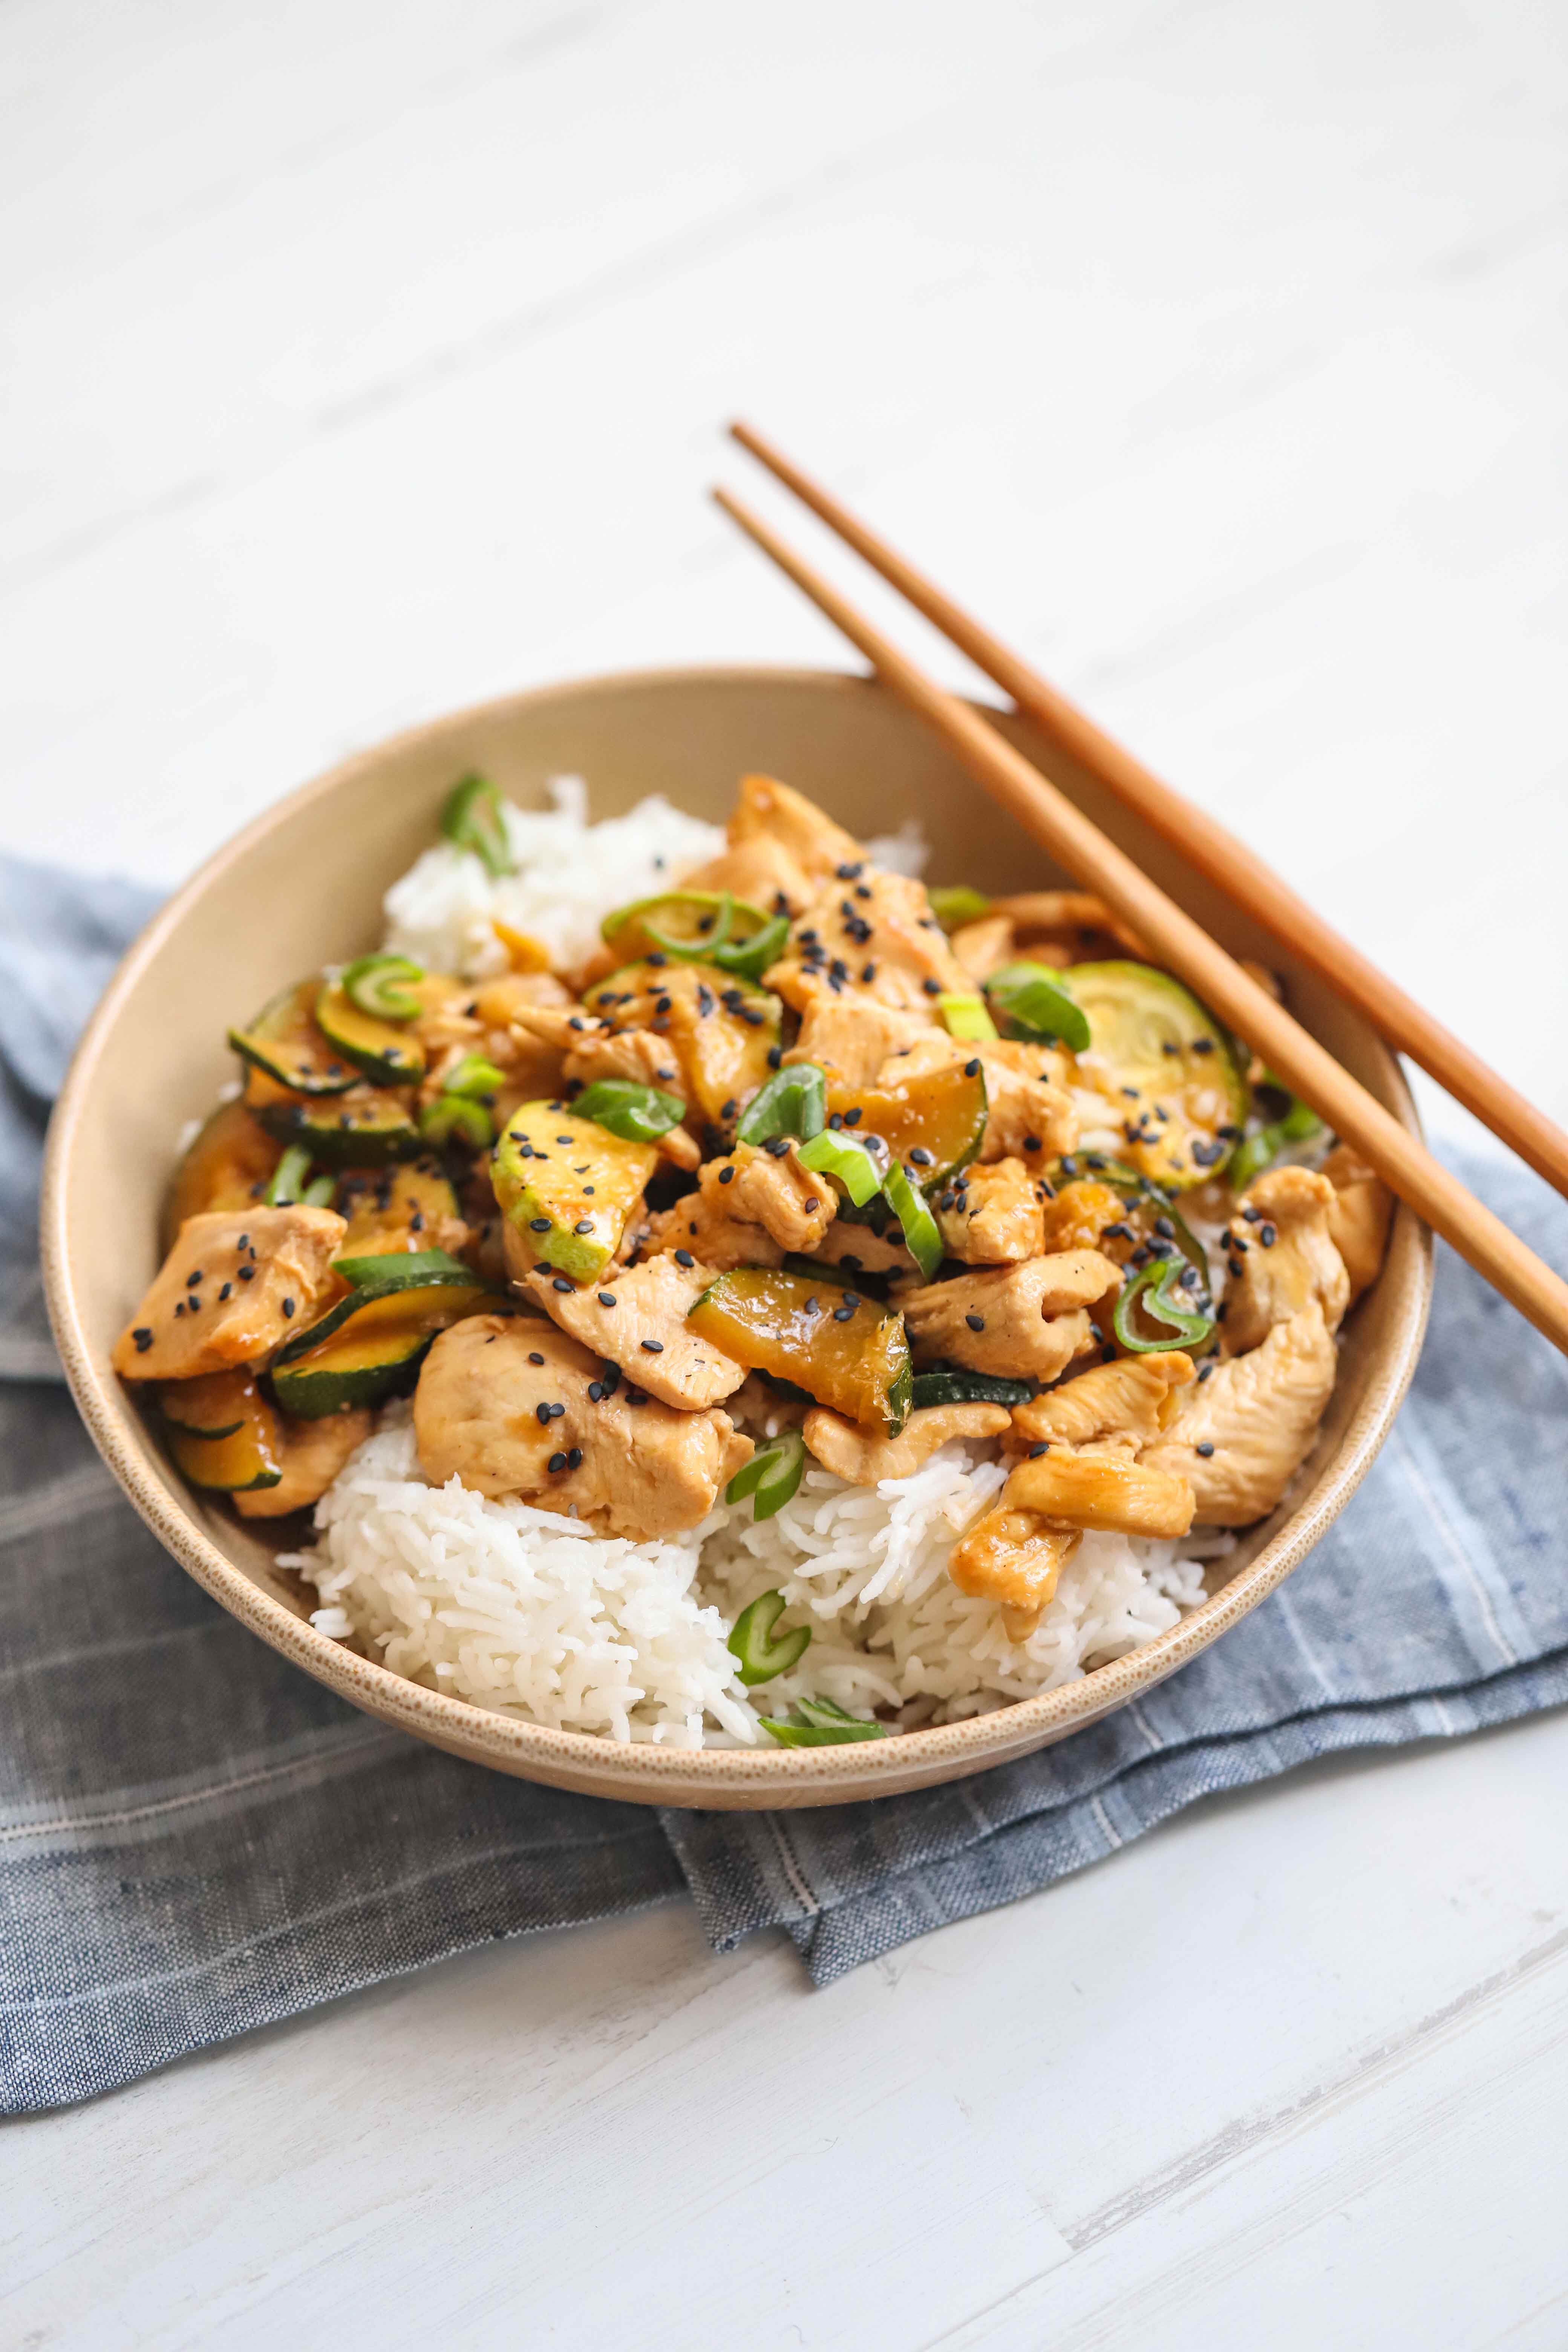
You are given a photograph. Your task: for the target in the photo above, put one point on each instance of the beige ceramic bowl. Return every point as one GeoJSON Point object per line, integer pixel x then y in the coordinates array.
{"type": "Point", "coordinates": [303, 886]}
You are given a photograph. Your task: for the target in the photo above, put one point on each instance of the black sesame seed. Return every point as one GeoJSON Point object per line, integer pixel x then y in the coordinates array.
{"type": "Point", "coordinates": [538, 1225]}
{"type": "Point", "coordinates": [192, 1279]}
{"type": "Point", "coordinates": [811, 1205]}
{"type": "Point", "coordinates": [247, 1274]}
{"type": "Point", "coordinates": [853, 1117]}
{"type": "Point", "coordinates": [854, 1264]}
{"type": "Point", "coordinates": [574, 1458]}
{"type": "Point", "coordinates": [534, 1357]}
{"type": "Point", "coordinates": [728, 1109]}
{"type": "Point", "coordinates": [1205, 1449]}
{"type": "Point", "coordinates": [1203, 1044]}
{"type": "Point", "coordinates": [144, 1339]}
{"type": "Point", "coordinates": [975, 1322]}
{"type": "Point", "coordinates": [584, 1226]}
{"type": "Point", "coordinates": [932, 987]}
{"type": "Point", "coordinates": [226, 1291]}
{"type": "Point", "coordinates": [1032, 1143]}
{"type": "Point", "coordinates": [542, 1415]}
{"type": "Point", "coordinates": [971, 1069]}
{"type": "Point", "coordinates": [606, 1297]}
{"type": "Point", "coordinates": [287, 1305]}
{"type": "Point", "coordinates": [684, 1257]}
{"type": "Point", "coordinates": [1035, 1450]}
{"type": "Point", "coordinates": [1164, 1226]}
{"type": "Point", "coordinates": [843, 1315]}
{"type": "Point", "coordinates": [921, 1157]}
{"type": "Point", "coordinates": [557, 1462]}
{"type": "Point", "coordinates": [726, 1175]}
{"type": "Point", "coordinates": [560, 1283]}
{"type": "Point", "coordinates": [180, 1309]}
{"type": "Point", "coordinates": [1267, 1235]}
{"type": "Point", "coordinates": [1108, 1354]}
{"type": "Point", "coordinates": [244, 1242]}
{"type": "Point", "coordinates": [775, 1056]}
{"type": "Point", "coordinates": [556, 1411]}
{"type": "Point", "coordinates": [596, 1391]}
{"type": "Point", "coordinates": [1203, 1371]}
{"type": "Point", "coordinates": [653, 1346]}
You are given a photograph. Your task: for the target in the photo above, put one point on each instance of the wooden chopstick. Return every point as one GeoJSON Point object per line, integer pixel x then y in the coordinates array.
{"type": "Point", "coordinates": [1217, 854]}
{"type": "Point", "coordinates": [1097, 864]}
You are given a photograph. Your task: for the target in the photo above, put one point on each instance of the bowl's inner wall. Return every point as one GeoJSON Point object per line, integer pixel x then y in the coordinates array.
{"type": "Point", "coordinates": [307, 888]}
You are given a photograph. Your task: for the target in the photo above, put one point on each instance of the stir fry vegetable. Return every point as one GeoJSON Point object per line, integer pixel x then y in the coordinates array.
{"type": "Point", "coordinates": [761, 1657]}
{"type": "Point", "coordinates": [700, 927]}
{"type": "Point", "coordinates": [823, 1724]}
{"type": "Point", "coordinates": [473, 819]}
{"type": "Point", "coordinates": [1155, 1291]}
{"type": "Point", "coordinates": [793, 1102]}
{"type": "Point", "coordinates": [1249, 1158]}
{"type": "Point", "coordinates": [622, 1106]}
{"type": "Point", "coordinates": [1033, 1001]}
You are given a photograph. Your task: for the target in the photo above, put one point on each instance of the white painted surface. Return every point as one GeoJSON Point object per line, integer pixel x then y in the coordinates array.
{"type": "Point", "coordinates": [362, 362]}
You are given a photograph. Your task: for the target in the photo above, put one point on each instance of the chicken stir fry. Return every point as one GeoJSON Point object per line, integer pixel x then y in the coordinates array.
{"type": "Point", "coordinates": [804, 1162]}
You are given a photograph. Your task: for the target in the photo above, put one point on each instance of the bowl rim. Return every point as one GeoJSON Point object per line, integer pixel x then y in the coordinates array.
{"type": "Point", "coordinates": [856, 1769]}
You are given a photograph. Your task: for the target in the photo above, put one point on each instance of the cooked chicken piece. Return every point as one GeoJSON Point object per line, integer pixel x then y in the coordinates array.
{"type": "Point", "coordinates": [1070, 915]}
{"type": "Point", "coordinates": [1012, 1556]}
{"type": "Point", "coordinates": [233, 1287]}
{"type": "Point", "coordinates": [1078, 1217]}
{"type": "Point", "coordinates": [636, 1318]}
{"type": "Point", "coordinates": [873, 934]}
{"type": "Point", "coordinates": [994, 1217]}
{"type": "Point", "coordinates": [770, 1189]}
{"type": "Point", "coordinates": [1030, 1114]}
{"type": "Point", "coordinates": [1027, 1321]}
{"type": "Point", "coordinates": [1281, 1257]}
{"type": "Point", "coordinates": [1127, 1403]}
{"type": "Point", "coordinates": [981, 947]}
{"type": "Point", "coordinates": [780, 846]}
{"type": "Point", "coordinates": [707, 1224]}
{"type": "Point", "coordinates": [314, 1454]}
{"type": "Point", "coordinates": [865, 1459]}
{"type": "Point", "coordinates": [1103, 1490]}
{"type": "Point", "coordinates": [589, 1048]}
{"type": "Point", "coordinates": [1358, 1222]}
{"type": "Point", "coordinates": [1240, 1435]}
{"type": "Point", "coordinates": [858, 1250]}
{"type": "Point", "coordinates": [851, 1035]}
{"type": "Point", "coordinates": [496, 1003]}
{"type": "Point", "coordinates": [501, 1399]}
{"type": "Point", "coordinates": [760, 1410]}
{"type": "Point", "coordinates": [477, 1018]}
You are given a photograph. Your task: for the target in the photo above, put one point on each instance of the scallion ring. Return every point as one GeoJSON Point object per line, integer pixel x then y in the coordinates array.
{"type": "Point", "coordinates": [637, 1113]}
{"type": "Point", "coordinates": [759, 1656]}
{"type": "Point", "coordinates": [848, 1158]}
{"type": "Point", "coordinates": [457, 1115]}
{"type": "Point", "coordinates": [1261, 1150]}
{"type": "Point", "coordinates": [921, 1238]}
{"type": "Point", "coordinates": [1033, 1003]}
{"type": "Point", "coordinates": [1155, 1288]}
{"type": "Point", "coordinates": [377, 985]}
{"type": "Point", "coordinates": [967, 1016]}
{"type": "Point", "coordinates": [793, 1102]}
{"type": "Point", "coordinates": [474, 819]}
{"type": "Point", "coordinates": [288, 1179]}
{"type": "Point", "coordinates": [771, 1476]}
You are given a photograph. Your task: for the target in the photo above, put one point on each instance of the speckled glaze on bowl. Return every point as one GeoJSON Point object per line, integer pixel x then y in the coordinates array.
{"type": "Point", "coordinates": [303, 886]}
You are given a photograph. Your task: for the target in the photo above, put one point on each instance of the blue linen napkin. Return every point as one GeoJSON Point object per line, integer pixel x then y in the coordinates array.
{"type": "Point", "coordinates": [195, 1837]}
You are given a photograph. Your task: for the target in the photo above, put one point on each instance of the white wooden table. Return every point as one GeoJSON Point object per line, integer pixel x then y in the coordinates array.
{"type": "Point", "coordinates": [363, 361]}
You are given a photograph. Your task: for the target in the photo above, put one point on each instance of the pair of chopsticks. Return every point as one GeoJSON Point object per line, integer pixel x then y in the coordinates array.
{"type": "Point", "coordinates": [1095, 863]}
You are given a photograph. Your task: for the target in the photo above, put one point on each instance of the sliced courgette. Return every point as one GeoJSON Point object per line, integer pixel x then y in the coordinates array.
{"type": "Point", "coordinates": [842, 1348]}
{"type": "Point", "coordinates": [968, 1388]}
{"type": "Point", "coordinates": [386, 1055]}
{"type": "Point", "coordinates": [390, 1208]}
{"type": "Point", "coordinates": [722, 1029]}
{"type": "Point", "coordinates": [286, 1045]}
{"type": "Point", "coordinates": [227, 1166]}
{"type": "Point", "coordinates": [568, 1185]}
{"type": "Point", "coordinates": [222, 1434]}
{"type": "Point", "coordinates": [1156, 1039]}
{"type": "Point", "coordinates": [370, 1132]}
{"type": "Point", "coordinates": [935, 1120]}
{"type": "Point", "coordinates": [365, 1348]}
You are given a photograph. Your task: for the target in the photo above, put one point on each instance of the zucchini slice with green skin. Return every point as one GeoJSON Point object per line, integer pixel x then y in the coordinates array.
{"type": "Point", "coordinates": [224, 1435]}
{"type": "Point", "coordinates": [368, 1345]}
{"type": "Point", "coordinates": [369, 1133]}
{"type": "Point", "coordinates": [1157, 1038]}
{"type": "Point", "coordinates": [386, 1055]}
{"type": "Point", "coordinates": [969, 1387]}
{"type": "Point", "coordinates": [228, 1165]}
{"type": "Point", "coordinates": [935, 1120]}
{"type": "Point", "coordinates": [383, 1207]}
{"type": "Point", "coordinates": [286, 1045]}
{"type": "Point", "coordinates": [852, 1356]}
{"type": "Point", "coordinates": [568, 1185]}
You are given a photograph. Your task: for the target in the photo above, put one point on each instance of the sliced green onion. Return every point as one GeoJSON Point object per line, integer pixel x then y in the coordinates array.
{"type": "Point", "coordinates": [1034, 1003]}
{"type": "Point", "coordinates": [455, 1115]}
{"type": "Point", "coordinates": [748, 959]}
{"type": "Point", "coordinates": [472, 819]}
{"type": "Point", "coordinates": [287, 1179]}
{"type": "Point", "coordinates": [701, 948]}
{"type": "Point", "coordinates": [793, 1102]}
{"type": "Point", "coordinates": [966, 1016]}
{"type": "Point", "coordinates": [826, 1725]}
{"type": "Point", "coordinates": [1260, 1151]}
{"type": "Point", "coordinates": [771, 1476]}
{"type": "Point", "coordinates": [921, 1238]}
{"type": "Point", "coordinates": [958, 905]}
{"type": "Point", "coordinates": [371, 982]}
{"type": "Point", "coordinates": [848, 1158]}
{"type": "Point", "coordinates": [637, 1113]}
{"type": "Point", "coordinates": [320, 1194]}
{"type": "Point", "coordinates": [1154, 1288]}
{"type": "Point", "coordinates": [473, 1076]}
{"type": "Point", "coordinates": [761, 1657]}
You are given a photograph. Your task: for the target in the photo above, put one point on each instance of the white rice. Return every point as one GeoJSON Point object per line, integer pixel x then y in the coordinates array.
{"type": "Point", "coordinates": [570, 875]}
{"type": "Point", "coordinates": [527, 1613]}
